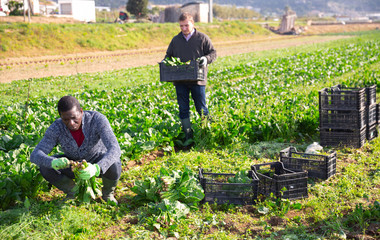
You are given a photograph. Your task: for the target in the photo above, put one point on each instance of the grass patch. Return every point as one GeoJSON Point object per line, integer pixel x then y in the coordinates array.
{"type": "Point", "coordinates": [35, 39]}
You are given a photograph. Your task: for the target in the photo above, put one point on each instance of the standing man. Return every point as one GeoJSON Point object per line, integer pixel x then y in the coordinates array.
{"type": "Point", "coordinates": [82, 135]}
{"type": "Point", "coordinates": [191, 44]}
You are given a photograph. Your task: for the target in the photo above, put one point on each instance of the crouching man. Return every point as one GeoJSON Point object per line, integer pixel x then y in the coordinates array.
{"type": "Point", "coordinates": [82, 135]}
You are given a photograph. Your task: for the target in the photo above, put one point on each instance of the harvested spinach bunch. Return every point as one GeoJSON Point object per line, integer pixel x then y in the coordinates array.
{"type": "Point", "coordinates": [174, 185]}
{"type": "Point", "coordinates": [174, 61]}
{"type": "Point", "coordinates": [85, 190]}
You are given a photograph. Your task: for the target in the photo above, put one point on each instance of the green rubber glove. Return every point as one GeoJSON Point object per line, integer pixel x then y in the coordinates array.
{"type": "Point", "coordinates": [60, 163]}
{"type": "Point", "coordinates": [90, 171]}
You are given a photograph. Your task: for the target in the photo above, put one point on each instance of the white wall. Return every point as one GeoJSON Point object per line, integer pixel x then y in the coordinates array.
{"type": "Point", "coordinates": [81, 10]}
{"type": "Point", "coordinates": [203, 12]}
{"type": "Point", "coordinates": [4, 6]}
{"type": "Point", "coordinates": [36, 6]}
{"type": "Point", "coordinates": [84, 10]}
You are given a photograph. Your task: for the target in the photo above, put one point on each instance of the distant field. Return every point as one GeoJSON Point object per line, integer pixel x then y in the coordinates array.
{"type": "Point", "coordinates": [38, 39]}
{"type": "Point", "coordinates": [44, 37]}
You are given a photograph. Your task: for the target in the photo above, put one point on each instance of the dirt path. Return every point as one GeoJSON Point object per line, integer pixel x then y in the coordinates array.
{"type": "Point", "coordinates": [25, 68]}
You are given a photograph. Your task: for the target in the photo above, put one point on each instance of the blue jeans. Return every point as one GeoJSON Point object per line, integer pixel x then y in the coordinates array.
{"type": "Point", "coordinates": [198, 93]}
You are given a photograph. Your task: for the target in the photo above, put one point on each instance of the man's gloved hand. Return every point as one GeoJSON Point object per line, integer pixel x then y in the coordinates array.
{"type": "Point", "coordinates": [60, 163]}
{"type": "Point", "coordinates": [90, 171]}
{"type": "Point", "coordinates": [203, 61]}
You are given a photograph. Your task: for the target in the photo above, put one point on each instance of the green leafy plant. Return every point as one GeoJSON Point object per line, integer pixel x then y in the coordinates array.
{"type": "Point", "coordinates": [174, 185]}
{"type": "Point", "coordinates": [242, 178]}
{"type": "Point", "coordinates": [362, 216]}
{"type": "Point", "coordinates": [275, 205]}
{"type": "Point", "coordinates": [170, 196]}
{"type": "Point", "coordinates": [85, 190]}
{"type": "Point", "coordinates": [164, 216]}
{"type": "Point", "coordinates": [174, 61]}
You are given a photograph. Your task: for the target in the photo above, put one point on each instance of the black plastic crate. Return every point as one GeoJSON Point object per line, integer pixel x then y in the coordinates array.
{"type": "Point", "coordinates": [371, 112]}
{"type": "Point", "coordinates": [187, 72]}
{"type": "Point", "coordinates": [218, 189]}
{"type": "Point", "coordinates": [340, 97]}
{"type": "Point", "coordinates": [371, 94]}
{"type": "Point", "coordinates": [342, 119]}
{"type": "Point", "coordinates": [343, 137]}
{"type": "Point", "coordinates": [317, 165]}
{"type": "Point", "coordinates": [282, 182]}
{"type": "Point", "coordinates": [372, 132]}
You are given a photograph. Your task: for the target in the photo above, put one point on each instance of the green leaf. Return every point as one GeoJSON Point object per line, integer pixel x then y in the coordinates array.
{"type": "Point", "coordinates": [27, 203]}
{"type": "Point", "coordinates": [263, 210]}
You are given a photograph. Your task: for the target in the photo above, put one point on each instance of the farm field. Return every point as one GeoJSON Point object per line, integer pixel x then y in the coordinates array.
{"type": "Point", "coordinates": [260, 102]}
{"type": "Point", "coordinates": [70, 64]}
{"type": "Point", "coordinates": [122, 49]}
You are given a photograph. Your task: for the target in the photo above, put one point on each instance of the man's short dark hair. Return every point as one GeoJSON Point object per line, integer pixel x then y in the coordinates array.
{"type": "Point", "coordinates": [67, 103]}
{"type": "Point", "coordinates": [186, 16]}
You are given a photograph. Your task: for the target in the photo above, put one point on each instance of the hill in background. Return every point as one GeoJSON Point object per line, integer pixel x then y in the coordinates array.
{"type": "Point", "coordinates": [276, 7]}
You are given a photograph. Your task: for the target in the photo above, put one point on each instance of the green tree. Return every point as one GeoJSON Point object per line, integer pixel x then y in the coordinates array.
{"type": "Point", "coordinates": [138, 8]}
{"type": "Point", "coordinates": [15, 8]}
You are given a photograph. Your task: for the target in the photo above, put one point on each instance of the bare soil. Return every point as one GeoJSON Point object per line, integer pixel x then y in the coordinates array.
{"type": "Point", "coordinates": [44, 66]}
{"type": "Point", "coordinates": [37, 19]}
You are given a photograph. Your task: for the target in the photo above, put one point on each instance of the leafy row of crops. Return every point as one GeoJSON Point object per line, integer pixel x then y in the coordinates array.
{"type": "Point", "coordinates": [270, 99]}
{"type": "Point", "coordinates": [254, 100]}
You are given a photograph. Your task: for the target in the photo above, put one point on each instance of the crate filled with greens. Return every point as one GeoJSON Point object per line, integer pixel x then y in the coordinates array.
{"type": "Point", "coordinates": [173, 70]}
{"type": "Point", "coordinates": [321, 166]}
{"type": "Point", "coordinates": [220, 188]}
{"type": "Point", "coordinates": [275, 179]}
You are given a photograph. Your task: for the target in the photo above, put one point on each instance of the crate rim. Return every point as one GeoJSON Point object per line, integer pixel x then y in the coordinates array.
{"type": "Point", "coordinates": [332, 154]}
{"type": "Point", "coordinates": [201, 175]}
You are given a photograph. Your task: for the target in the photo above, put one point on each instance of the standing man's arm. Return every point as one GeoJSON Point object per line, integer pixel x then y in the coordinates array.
{"type": "Point", "coordinates": [110, 142]}
{"type": "Point", "coordinates": [169, 51]}
{"type": "Point", "coordinates": [209, 50]}
{"type": "Point", "coordinates": [40, 155]}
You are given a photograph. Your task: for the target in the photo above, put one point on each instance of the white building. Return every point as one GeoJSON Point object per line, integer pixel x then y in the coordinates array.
{"type": "Point", "coordinates": [4, 10]}
{"type": "Point", "coordinates": [48, 8]}
{"type": "Point", "coordinates": [199, 11]}
{"type": "Point", "coordinates": [81, 10]}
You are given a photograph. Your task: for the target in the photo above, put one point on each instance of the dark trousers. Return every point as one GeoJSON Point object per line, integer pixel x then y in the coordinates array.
{"type": "Point", "coordinates": [198, 93]}
{"type": "Point", "coordinates": [55, 176]}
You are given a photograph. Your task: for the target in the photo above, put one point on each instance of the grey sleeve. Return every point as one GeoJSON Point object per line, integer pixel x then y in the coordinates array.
{"type": "Point", "coordinates": [40, 155]}
{"type": "Point", "coordinates": [209, 50]}
{"type": "Point", "coordinates": [169, 51]}
{"type": "Point", "coordinates": [110, 142]}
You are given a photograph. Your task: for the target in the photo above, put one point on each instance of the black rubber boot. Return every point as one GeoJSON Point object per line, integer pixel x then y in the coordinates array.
{"type": "Point", "coordinates": [189, 134]}
{"type": "Point", "coordinates": [108, 190]}
{"type": "Point", "coordinates": [186, 127]}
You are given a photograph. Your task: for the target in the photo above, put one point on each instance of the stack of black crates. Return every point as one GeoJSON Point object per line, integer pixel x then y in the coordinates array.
{"type": "Point", "coordinates": [287, 178]}
{"type": "Point", "coordinates": [347, 116]}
